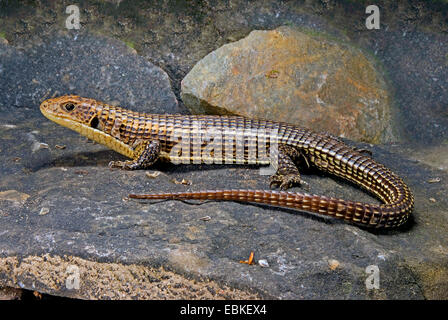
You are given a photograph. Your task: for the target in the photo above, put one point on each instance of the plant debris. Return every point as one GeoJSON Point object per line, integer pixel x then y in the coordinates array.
{"type": "Point", "coordinates": [251, 259]}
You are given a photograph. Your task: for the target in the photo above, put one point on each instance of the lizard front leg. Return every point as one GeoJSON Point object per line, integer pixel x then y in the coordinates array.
{"type": "Point", "coordinates": [146, 154]}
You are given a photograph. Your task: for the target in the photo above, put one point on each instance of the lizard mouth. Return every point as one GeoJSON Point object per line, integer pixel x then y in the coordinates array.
{"type": "Point", "coordinates": [60, 119]}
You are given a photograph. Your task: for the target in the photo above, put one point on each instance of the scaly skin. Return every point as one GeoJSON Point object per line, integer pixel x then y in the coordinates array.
{"type": "Point", "coordinates": [147, 137]}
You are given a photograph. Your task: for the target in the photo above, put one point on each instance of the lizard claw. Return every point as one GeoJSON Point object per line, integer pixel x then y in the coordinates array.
{"type": "Point", "coordinates": [273, 182]}
{"type": "Point", "coordinates": [115, 164]}
{"type": "Point", "coordinates": [121, 164]}
{"type": "Point", "coordinates": [287, 181]}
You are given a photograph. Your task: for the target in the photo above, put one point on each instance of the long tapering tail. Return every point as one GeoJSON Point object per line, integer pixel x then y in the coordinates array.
{"type": "Point", "coordinates": [369, 215]}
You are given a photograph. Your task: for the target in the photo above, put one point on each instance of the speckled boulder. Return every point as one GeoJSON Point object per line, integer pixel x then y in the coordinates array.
{"type": "Point", "coordinates": [288, 75]}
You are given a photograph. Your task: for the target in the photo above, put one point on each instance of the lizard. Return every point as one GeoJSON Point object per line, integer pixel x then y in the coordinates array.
{"type": "Point", "coordinates": [145, 138]}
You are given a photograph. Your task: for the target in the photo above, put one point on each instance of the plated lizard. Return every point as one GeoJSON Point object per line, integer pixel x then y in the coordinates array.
{"type": "Point", "coordinates": [145, 138]}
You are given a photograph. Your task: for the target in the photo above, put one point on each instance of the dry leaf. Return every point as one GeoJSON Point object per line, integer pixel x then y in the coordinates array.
{"type": "Point", "coordinates": [251, 259]}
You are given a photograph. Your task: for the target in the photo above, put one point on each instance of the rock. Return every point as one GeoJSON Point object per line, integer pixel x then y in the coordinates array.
{"type": "Point", "coordinates": [86, 65]}
{"type": "Point", "coordinates": [92, 226]}
{"type": "Point", "coordinates": [175, 36]}
{"type": "Point", "coordinates": [79, 278]}
{"type": "Point", "coordinates": [291, 76]}
{"type": "Point", "coordinates": [14, 196]}
{"type": "Point", "coordinates": [129, 249]}
{"type": "Point", "coordinates": [8, 293]}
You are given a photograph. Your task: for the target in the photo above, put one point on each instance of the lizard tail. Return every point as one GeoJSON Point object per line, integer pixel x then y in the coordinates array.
{"type": "Point", "coordinates": [365, 214]}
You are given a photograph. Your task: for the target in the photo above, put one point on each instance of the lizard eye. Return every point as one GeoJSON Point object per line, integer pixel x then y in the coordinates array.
{"type": "Point", "coordinates": [69, 106]}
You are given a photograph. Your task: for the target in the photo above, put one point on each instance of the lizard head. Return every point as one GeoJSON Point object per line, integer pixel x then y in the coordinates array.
{"type": "Point", "coordinates": [72, 111]}
{"type": "Point", "coordinates": [84, 116]}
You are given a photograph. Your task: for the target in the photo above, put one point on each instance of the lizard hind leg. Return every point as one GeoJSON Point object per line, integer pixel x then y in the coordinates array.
{"type": "Point", "coordinates": [288, 175]}
{"type": "Point", "coordinates": [146, 154]}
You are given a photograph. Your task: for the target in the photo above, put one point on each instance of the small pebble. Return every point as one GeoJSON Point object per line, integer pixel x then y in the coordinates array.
{"type": "Point", "coordinates": [263, 263]}
{"type": "Point", "coordinates": [153, 175]}
{"type": "Point", "coordinates": [38, 145]}
{"type": "Point", "coordinates": [183, 181]}
{"type": "Point", "coordinates": [44, 211]}
{"type": "Point", "coordinates": [333, 264]}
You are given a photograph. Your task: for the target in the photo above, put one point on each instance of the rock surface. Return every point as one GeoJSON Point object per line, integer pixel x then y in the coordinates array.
{"type": "Point", "coordinates": [58, 66]}
{"type": "Point", "coordinates": [90, 224]}
{"type": "Point", "coordinates": [165, 250]}
{"type": "Point", "coordinates": [291, 76]}
{"type": "Point", "coordinates": [8, 293]}
{"type": "Point", "coordinates": [412, 43]}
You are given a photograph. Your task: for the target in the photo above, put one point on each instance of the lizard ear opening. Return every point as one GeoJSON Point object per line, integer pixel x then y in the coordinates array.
{"type": "Point", "coordinates": [94, 122]}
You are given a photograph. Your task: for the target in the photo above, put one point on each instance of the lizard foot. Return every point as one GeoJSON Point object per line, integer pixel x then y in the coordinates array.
{"type": "Point", "coordinates": [287, 181]}
{"type": "Point", "coordinates": [126, 165]}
